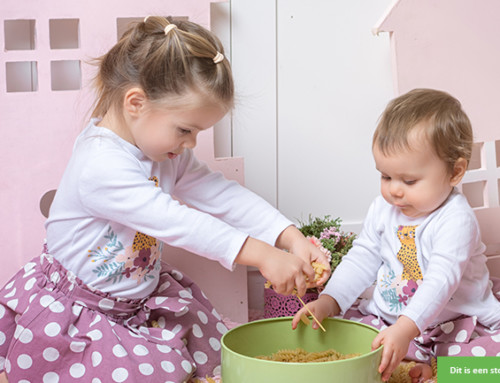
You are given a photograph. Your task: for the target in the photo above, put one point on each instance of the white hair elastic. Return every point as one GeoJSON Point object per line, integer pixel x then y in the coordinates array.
{"type": "Point", "coordinates": [218, 57]}
{"type": "Point", "coordinates": [146, 19]}
{"type": "Point", "coordinates": [169, 27]}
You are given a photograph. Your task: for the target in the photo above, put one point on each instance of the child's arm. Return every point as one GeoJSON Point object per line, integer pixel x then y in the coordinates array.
{"type": "Point", "coordinates": [294, 241]}
{"type": "Point", "coordinates": [285, 271]}
{"type": "Point", "coordinates": [323, 307]}
{"type": "Point", "coordinates": [396, 340]}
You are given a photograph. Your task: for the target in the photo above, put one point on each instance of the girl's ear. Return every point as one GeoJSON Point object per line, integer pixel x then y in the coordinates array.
{"type": "Point", "coordinates": [134, 101]}
{"type": "Point", "coordinates": [459, 170]}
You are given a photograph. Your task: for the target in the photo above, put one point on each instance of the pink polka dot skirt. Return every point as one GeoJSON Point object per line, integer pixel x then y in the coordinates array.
{"type": "Point", "coordinates": [463, 336]}
{"type": "Point", "coordinates": [54, 328]}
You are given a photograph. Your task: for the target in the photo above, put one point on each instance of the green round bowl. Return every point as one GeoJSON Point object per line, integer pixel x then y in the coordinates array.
{"type": "Point", "coordinates": [242, 344]}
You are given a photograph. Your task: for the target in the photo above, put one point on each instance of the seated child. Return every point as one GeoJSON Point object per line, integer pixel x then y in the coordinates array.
{"type": "Point", "coordinates": [420, 243]}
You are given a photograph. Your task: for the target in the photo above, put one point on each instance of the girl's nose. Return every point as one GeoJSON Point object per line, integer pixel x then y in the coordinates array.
{"type": "Point", "coordinates": [396, 190]}
{"type": "Point", "coordinates": [190, 143]}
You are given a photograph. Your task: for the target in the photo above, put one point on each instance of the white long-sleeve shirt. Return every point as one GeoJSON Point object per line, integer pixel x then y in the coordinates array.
{"type": "Point", "coordinates": [114, 208]}
{"type": "Point", "coordinates": [450, 257]}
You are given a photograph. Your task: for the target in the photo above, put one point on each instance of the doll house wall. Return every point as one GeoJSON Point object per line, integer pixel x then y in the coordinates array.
{"type": "Point", "coordinates": [452, 45]}
{"type": "Point", "coordinates": [45, 98]}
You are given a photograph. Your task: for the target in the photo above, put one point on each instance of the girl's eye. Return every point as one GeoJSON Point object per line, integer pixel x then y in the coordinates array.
{"type": "Point", "coordinates": [386, 178]}
{"type": "Point", "coordinates": [411, 182]}
{"type": "Point", "coordinates": [184, 131]}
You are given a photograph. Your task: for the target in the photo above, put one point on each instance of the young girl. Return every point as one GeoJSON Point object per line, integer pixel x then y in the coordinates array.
{"type": "Point", "coordinates": [420, 243]}
{"type": "Point", "coordinates": [99, 305]}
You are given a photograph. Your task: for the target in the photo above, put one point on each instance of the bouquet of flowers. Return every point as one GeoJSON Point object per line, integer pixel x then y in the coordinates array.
{"type": "Point", "coordinates": [327, 235]}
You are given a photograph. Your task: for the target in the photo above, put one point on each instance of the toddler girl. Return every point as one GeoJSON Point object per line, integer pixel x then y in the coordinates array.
{"type": "Point", "coordinates": [99, 305]}
{"type": "Point", "coordinates": [420, 243]}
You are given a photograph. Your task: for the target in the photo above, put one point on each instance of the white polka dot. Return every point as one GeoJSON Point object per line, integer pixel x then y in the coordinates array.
{"type": "Point", "coordinates": [140, 350]}
{"type": "Point", "coordinates": [421, 356]}
{"type": "Point", "coordinates": [185, 294]}
{"type": "Point", "coordinates": [52, 329]}
{"type": "Point", "coordinates": [163, 348]}
{"type": "Point", "coordinates": [11, 293]}
{"type": "Point", "coordinates": [55, 277]}
{"type": "Point", "coordinates": [478, 351]}
{"type": "Point", "coordinates": [160, 300]}
{"type": "Point", "coordinates": [24, 361]}
{"type": "Point", "coordinates": [26, 336]}
{"type": "Point", "coordinates": [96, 380]}
{"type": "Point", "coordinates": [221, 327]}
{"type": "Point", "coordinates": [216, 314]}
{"type": "Point", "coordinates": [77, 370]}
{"type": "Point", "coordinates": [200, 357]}
{"type": "Point", "coordinates": [461, 336]}
{"type": "Point", "coordinates": [106, 304]}
{"type": "Point", "coordinates": [186, 365]}
{"type": "Point", "coordinates": [496, 337]}
{"type": "Point", "coordinates": [167, 366]}
{"type": "Point", "coordinates": [56, 307]}
{"type": "Point", "coordinates": [96, 358]}
{"type": "Point", "coordinates": [177, 275]}
{"type": "Point", "coordinates": [2, 311]}
{"type": "Point", "coordinates": [217, 370]}
{"type": "Point", "coordinates": [161, 322]}
{"type": "Point", "coordinates": [18, 331]}
{"type": "Point", "coordinates": [46, 300]}
{"type": "Point", "coordinates": [447, 327]}
{"type": "Point", "coordinates": [13, 304]}
{"type": "Point", "coordinates": [2, 338]}
{"type": "Point", "coordinates": [203, 317]}
{"type": "Point", "coordinates": [77, 346]}
{"type": "Point", "coordinates": [97, 319]}
{"type": "Point", "coordinates": [50, 377]}
{"type": "Point", "coordinates": [77, 309]}
{"type": "Point", "coordinates": [95, 334]}
{"type": "Point", "coordinates": [214, 343]}
{"type": "Point", "coordinates": [167, 335]}
{"type": "Point", "coordinates": [164, 286]}
{"type": "Point", "coordinates": [183, 301]}
{"type": "Point", "coordinates": [146, 369]}
{"type": "Point", "coordinates": [29, 266]}
{"type": "Point", "coordinates": [375, 322]}
{"type": "Point", "coordinates": [119, 351]}
{"type": "Point", "coordinates": [454, 350]}
{"type": "Point", "coordinates": [50, 354]}
{"type": "Point", "coordinates": [72, 331]}
{"type": "Point", "coordinates": [120, 374]}
{"type": "Point", "coordinates": [29, 284]}
{"type": "Point", "coordinates": [7, 365]}
{"type": "Point", "coordinates": [197, 332]}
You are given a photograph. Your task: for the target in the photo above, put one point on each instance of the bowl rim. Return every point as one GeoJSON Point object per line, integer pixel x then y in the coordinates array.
{"type": "Point", "coordinates": [224, 347]}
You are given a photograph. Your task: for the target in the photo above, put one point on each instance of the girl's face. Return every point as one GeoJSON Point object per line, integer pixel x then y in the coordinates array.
{"type": "Point", "coordinates": [414, 180]}
{"type": "Point", "coordinates": [164, 133]}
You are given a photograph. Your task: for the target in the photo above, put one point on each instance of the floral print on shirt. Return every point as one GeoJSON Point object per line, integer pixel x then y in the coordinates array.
{"type": "Point", "coordinates": [397, 290]}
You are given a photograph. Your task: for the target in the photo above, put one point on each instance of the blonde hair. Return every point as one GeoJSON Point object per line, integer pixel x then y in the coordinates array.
{"type": "Point", "coordinates": [165, 62]}
{"type": "Point", "coordinates": [446, 125]}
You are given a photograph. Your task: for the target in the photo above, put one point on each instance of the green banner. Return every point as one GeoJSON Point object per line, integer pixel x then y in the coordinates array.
{"type": "Point", "coordinates": [468, 369]}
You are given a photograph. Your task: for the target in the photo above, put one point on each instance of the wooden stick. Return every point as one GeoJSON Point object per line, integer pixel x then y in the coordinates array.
{"type": "Point", "coordinates": [315, 319]}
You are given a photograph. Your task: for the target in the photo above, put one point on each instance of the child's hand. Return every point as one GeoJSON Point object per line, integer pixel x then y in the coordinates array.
{"type": "Point", "coordinates": [396, 340]}
{"type": "Point", "coordinates": [285, 271]}
{"type": "Point", "coordinates": [323, 307]}
{"type": "Point", "coordinates": [295, 242]}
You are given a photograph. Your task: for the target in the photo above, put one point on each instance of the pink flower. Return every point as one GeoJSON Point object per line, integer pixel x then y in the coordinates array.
{"type": "Point", "coordinates": [410, 288]}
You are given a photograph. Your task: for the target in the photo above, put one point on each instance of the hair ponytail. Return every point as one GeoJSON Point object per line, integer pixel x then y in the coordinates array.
{"type": "Point", "coordinates": [165, 58]}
